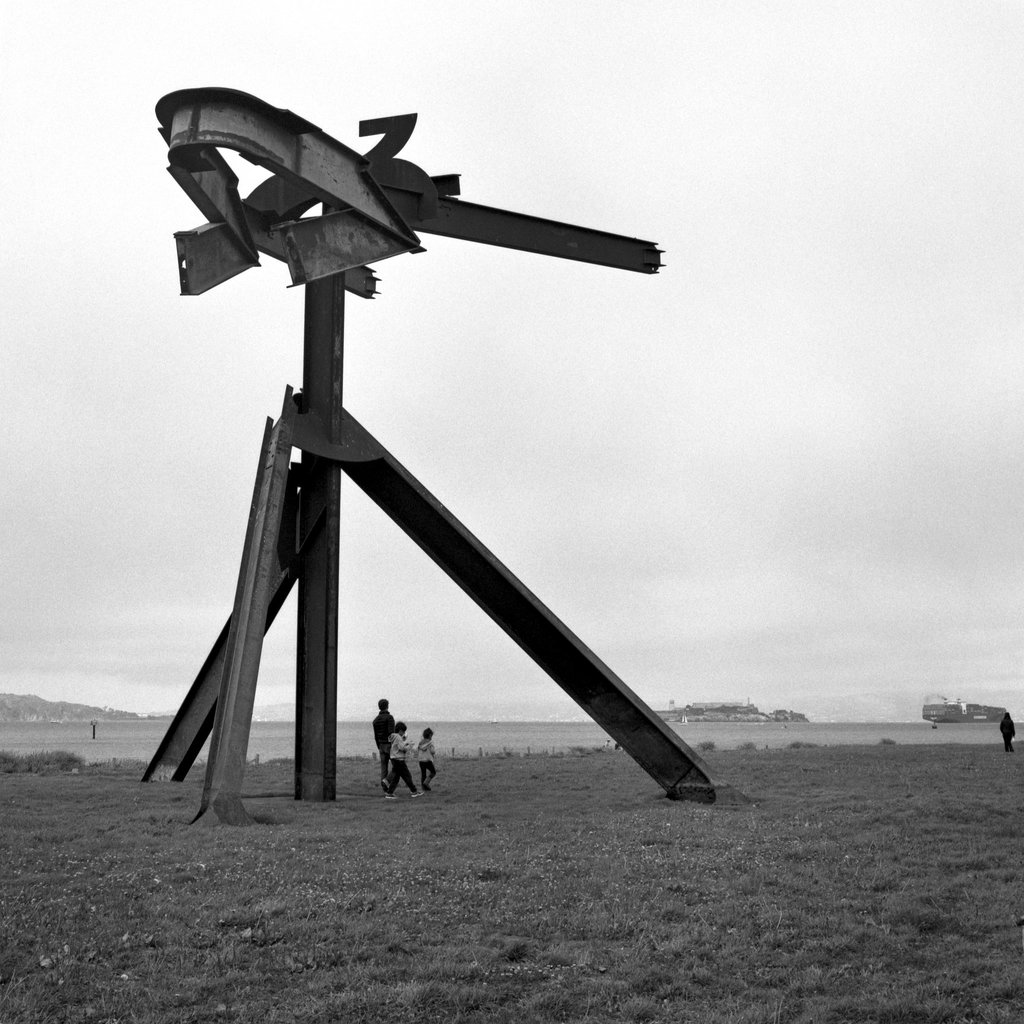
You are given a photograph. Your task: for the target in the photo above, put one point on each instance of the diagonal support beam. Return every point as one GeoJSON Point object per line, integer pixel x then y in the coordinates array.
{"type": "Point", "coordinates": [233, 717]}
{"type": "Point", "coordinates": [678, 769]}
{"type": "Point", "coordinates": [574, 667]}
{"type": "Point", "coordinates": [192, 725]}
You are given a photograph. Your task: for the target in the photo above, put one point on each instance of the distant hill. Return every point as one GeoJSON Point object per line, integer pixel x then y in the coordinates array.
{"type": "Point", "coordinates": [16, 707]}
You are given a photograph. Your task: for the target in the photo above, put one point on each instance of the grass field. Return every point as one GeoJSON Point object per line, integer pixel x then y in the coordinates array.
{"type": "Point", "coordinates": [862, 884]}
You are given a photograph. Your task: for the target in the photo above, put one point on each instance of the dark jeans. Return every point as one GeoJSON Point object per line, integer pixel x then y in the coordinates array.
{"type": "Point", "coordinates": [385, 757]}
{"type": "Point", "coordinates": [399, 771]}
{"type": "Point", "coordinates": [1008, 744]}
{"type": "Point", "coordinates": [427, 772]}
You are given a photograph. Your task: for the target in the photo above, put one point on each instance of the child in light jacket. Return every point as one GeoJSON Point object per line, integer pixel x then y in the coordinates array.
{"type": "Point", "coordinates": [400, 747]}
{"type": "Point", "coordinates": [425, 753]}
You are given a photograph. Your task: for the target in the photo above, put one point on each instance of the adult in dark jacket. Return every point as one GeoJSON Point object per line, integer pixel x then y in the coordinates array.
{"type": "Point", "coordinates": [383, 727]}
{"type": "Point", "coordinates": [1008, 731]}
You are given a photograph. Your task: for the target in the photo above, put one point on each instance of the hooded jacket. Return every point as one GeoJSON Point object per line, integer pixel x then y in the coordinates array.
{"type": "Point", "coordinates": [400, 746]}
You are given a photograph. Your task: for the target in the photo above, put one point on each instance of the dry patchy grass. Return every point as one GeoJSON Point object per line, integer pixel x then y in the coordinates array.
{"type": "Point", "coordinates": [862, 884]}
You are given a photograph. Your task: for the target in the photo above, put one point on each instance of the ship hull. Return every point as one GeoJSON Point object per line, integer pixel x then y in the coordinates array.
{"type": "Point", "coordinates": [959, 713]}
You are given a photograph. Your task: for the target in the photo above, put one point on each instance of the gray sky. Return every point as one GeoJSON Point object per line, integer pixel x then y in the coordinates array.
{"type": "Point", "coordinates": [785, 468]}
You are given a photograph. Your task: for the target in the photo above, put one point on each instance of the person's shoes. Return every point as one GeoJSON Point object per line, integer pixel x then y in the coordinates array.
{"type": "Point", "coordinates": [390, 796]}
{"type": "Point", "coordinates": [416, 795]}
{"type": "Point", "coordinates": [384, 784]}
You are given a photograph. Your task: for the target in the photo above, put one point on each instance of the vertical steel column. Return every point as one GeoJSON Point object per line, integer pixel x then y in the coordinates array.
{"type": "Point", "coordinates": [316, 694]}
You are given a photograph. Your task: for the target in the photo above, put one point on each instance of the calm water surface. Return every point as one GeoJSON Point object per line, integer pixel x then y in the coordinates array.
{"type": "Point", "coordinates": [138, 740]}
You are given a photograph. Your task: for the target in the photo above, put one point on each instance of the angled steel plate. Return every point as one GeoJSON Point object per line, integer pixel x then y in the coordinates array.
{"type": "Point", "coordinates": [208, 256]}
{"type": "Point", "coordinates": [194, 121]}
{"type": "Point", "coordinates": [317, 247]}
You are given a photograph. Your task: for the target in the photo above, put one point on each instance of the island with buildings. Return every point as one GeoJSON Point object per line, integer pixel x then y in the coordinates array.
{"type": "Point", "coordinates": [726, 711]}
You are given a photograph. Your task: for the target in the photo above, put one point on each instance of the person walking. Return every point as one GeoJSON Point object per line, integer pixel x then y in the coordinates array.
{"type": "Point", "coordinates": [400, 748]}
{"type": "Point", "coordinates": [383, 727]}
{"type": "Point", "coordinates": [425, 753]}
{"type": "Point", "coordinates": [1008, 731]}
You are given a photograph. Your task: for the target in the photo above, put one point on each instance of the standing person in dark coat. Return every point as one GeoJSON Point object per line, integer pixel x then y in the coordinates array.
{"type": "Point", "coordinates": [383, 727]}
{"type": "Point", "coordinates": [1008, 731]}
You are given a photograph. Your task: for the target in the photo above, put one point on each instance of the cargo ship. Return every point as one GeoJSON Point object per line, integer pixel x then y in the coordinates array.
{"type": "Point", "coordinates": [951, 712]}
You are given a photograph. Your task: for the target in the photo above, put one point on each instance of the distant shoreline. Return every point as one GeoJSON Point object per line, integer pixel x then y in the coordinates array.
{"type": "Point", "coordinates": [128, 716]}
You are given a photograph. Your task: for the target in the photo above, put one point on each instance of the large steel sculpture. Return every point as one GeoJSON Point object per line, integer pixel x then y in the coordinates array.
{"type": "Point", "coordinates": [372, 207]}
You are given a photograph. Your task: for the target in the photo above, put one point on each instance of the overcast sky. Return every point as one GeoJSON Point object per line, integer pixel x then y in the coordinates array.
{"type": "Point", "coordinates": [787, 468]}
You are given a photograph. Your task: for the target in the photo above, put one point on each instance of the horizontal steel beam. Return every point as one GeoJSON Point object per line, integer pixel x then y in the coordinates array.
{"type": "Point", "coordinates": [475, 223]}
{"type": "Point", "coordinates": [472, 222]}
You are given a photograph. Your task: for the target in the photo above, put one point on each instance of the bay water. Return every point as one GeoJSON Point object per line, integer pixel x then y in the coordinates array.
{"type": "Point", "coordinates": [138, 740]}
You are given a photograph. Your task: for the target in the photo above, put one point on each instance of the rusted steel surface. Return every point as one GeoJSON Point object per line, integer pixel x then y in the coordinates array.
{"type": "Point", "coordinates": [316, 681]}
{"type": "Point", "coordinates": [320, 246]}
{"type": "Point", "coordinates": [680, 771]}
{"type": "Point", "coordinates": [278, 202]}
{"type": "Point", "coordinates": [485, 224]}
{"type": "Point", "coordinates": [215, 193]}
{"type": "Point", "coordinates": [376, 202]}
{"type": "Point", "coordinates": [208, 256]}
{"type": "Point", "coordinates": [225, 769]}
{"type": "Point", "coordinates": [194, 120]}
{"type": "Point", "coordinates": [196, 123]}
